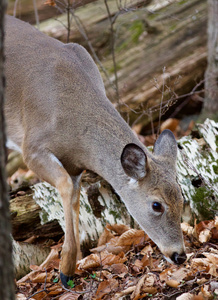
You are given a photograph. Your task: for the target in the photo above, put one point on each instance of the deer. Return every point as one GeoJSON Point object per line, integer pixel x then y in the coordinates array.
{"type": "Point", "coordinates": [59, 117]}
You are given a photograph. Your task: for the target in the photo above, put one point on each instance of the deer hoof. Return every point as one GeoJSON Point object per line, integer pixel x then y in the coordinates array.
{"type": "Point", "coordinates": [65, 279]}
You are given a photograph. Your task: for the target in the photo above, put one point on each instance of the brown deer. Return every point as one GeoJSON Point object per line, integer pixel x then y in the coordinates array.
{"type": "Point", "coordinates": [59, 117]}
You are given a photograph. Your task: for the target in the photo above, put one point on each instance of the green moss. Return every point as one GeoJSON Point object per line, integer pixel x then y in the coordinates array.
{"type": "Point", "coordinates": [204, 202]}
{"type": "Point", "coordinates": [115, 214]}
{"type": "Point", "coordinates": [118, 67]}
{"type": "Point", "coordinates": [173, 27]}
{"type": "Point", "coordinates": [152, 16]}
{"type": "Point", "coordinates": [182, 2]}
{"type": "Point", "coordinates": [87, 207]}
{"type": "Point", "coordinates": [215, 168]}
{"type": "Point", "coordinates": [134, 31]}
{"type": "Point", "coordinates": [137, 28]}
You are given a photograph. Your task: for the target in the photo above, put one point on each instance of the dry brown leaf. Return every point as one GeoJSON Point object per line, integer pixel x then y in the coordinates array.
{"type": "Point", "coordinates": [147, 250]}
{"type": "Point", "coordinates": [35, 268]}
{"type": "Point", "coordinates": [213, 258]}
{"type": "Point", "coordinates": [185, 296]}
{"type": "Point", "coordinates": [50, 3]}
{"type": "Point", "coordinates": [144, 285]}
{"type": "Point", "coordinates": [136, 294]}
{"type": "Point", "coordinates": [41, 277]}
{"type": "Point", "coordinates": [151, 290]}
{"type": "Point", "coordinates": [187, 229]}
{"type": "Point", "coordinates": [172, 283]}
{"type": "Point", "coordinates": [179, 274]}
{"type": "Point", "coordinates": [69, 296]}
{"type": "Point", "coordinates": [138, 263]}
{"type": "Point", "coordinates": [118, 268]}
{"type": "Point", "coordinates": [214, 232]}
{"type": "Point", "coordinates": [91, 261]}
{"type": "Point", "coordinates": [110, 259]}
{"type": "Point", "coordinates": [205, 236]}
{"type": "Point", "coordinates": [127, 291]}
{"type": "Point", "coordinates": [105, 287]}
{"type": "Point", "coordinates": [170, 123]}
{"type": "Point", "coordinates": [205, 292]}
{"type": "Point", "coordinates": [22, 297]}
{"type": "Point", "coordinates": [110, 248]}
{"type": "Point", "coordinates": [165, 274]}
{"type": "Point", "coordinates": [202, 226]}
{"type": "Point", "coordinates": [105, 237]}
{"type": "Point", "coordinates": [118, 228]}
{"type": "Point", "coordinates": [132, 237]}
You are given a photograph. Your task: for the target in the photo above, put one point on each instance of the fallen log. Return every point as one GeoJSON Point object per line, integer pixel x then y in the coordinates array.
{"type": "Point", "coordinates": [156, 45]}
{"type": "Point", "coordinates": [40, 212]}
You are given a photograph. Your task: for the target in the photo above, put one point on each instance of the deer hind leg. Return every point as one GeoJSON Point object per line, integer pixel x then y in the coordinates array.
{"type": "Point", "coordinates": [50, 169]}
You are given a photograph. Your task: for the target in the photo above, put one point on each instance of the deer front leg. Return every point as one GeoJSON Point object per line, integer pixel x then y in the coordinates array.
{"type": "Point", "coordinates": [50, 169]}
{"type": "Point", "coordinates": [76, 207]}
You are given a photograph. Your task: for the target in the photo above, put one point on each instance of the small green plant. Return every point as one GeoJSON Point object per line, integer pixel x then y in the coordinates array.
{"type": "Point", "coordinates": [55, 280]}
{"type": "Point", "coordinates": [71, 283]}
{"type": "Point", "coordinates": [93, 275]}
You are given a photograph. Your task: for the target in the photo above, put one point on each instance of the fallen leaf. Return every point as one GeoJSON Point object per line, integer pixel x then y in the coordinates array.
{"type": "Point", "coordinates": [187, 229]}
{"type": "Point", "coordinates": [136, 294]}
{"type": "Point", "coordinates": [172, 283]}
{"type": "Point", "coordinates": [185, 296]}
{"type": "Point", "coordinates": [165, 274]}
{"type": "Point", "coordinates": [41, 277]}
{"type": "Point", "coordinates": [110, 259]}
{"type": "Point", "coordinates": [205, 292]}
{"type": "Point", "coordinates": [105, 237]}
{"type": "Point", "coordinates": [213, 258]}
{"type": "Point", "coordinates": [147, 250]}
{"type": "Point", "coordinates": [205, 236]}
{"type": "Point", "coordinates": [118, 228]}
{"type": "Point", "coordinates": [105, 287]}
{"type": "Point", "coordinates": [69, 296]}
{"type": "Point", "coordinates": [132, 237]}
{"type": "Point", "coordinates": [179, 274]}
{"type": "Point", "coordinates": [91, 261]}
{"type": "Point", "coordinates": [170, 123]}
{"type": "Point", "coordinates": [118, 268]}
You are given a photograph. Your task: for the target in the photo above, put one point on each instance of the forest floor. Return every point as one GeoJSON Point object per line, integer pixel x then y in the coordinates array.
{"type": "Point", "coordinates": [127, 265]}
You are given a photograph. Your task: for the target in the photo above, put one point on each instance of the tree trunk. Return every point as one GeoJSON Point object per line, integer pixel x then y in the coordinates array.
{"type": "Point", "coordinates": [211, 75]}
{"type": "Point", "coordinates": [6, 265]}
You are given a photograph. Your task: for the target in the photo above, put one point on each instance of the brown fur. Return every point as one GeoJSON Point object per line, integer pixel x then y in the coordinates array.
{"type": "Point", "coordinates": [58, 114]}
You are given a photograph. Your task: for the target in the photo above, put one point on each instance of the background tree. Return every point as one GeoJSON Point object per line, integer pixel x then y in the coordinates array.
{"type": "Point", "coordinates": [6, 265]}
{"type": "Point", "coordinates": [210, 108]}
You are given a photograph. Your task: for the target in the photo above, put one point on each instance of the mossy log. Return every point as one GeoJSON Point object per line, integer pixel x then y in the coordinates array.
{"type": "Point", "coordinates": [41, 213]}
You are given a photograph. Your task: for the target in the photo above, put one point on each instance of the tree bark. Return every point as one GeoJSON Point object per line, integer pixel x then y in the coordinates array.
{"type": "Point", "coordinates": [211, 75]}
{"type": "Point", "coordinates": [6, 265]}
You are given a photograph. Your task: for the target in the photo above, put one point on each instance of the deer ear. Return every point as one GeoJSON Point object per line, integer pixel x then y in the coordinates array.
{"type": "Point", "coordinates": [166, 145]}
{"type": "Point", "coordinates": [133, 160]}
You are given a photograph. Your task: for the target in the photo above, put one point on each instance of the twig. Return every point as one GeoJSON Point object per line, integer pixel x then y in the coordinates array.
{"type": "Point", "coordinates": [161, 101]}
{"type": "Point", "coordinates": [75, 292]}
{"type": "Point", "coordinates": [36, 13]}
{"type": "Point", "coordinates": [112, 21]}
{"type": "Point", "coordinates": [44, 289]}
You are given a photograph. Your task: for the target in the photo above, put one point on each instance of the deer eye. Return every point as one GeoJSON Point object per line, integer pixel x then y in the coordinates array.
{"type": "Point", "coordinates": [157, 207]}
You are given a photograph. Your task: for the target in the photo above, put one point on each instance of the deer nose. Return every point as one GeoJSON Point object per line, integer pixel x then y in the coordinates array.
{"type": "Point", "coordinates": [178, 258]}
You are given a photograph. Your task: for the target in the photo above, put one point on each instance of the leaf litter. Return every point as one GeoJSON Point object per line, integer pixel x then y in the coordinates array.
{"type": "Point", "coordinates": [126, 264]}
